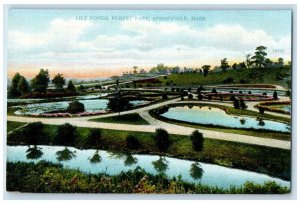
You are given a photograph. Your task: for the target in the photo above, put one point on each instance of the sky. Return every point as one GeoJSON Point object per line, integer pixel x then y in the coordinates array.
{"type": "Point", "coordinates": [103, 43]}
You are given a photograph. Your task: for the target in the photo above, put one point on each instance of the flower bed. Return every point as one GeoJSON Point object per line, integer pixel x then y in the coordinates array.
{"type": "Point", "coordinates": [69, 114]}
{"type": "Point", "coordinates": [275, 106]}
{"type": "Point", "coordinates": [246, 97]}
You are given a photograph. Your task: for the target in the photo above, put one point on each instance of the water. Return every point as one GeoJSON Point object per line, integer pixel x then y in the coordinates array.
{"type": "Point", "coordinates": [253, 91]}
{"type": "Point", "coordinates": [91, 105]}
{"type": "Point", "coordinates": [115, 163]}
{"type": "Point", "coordinates": [216, 116]}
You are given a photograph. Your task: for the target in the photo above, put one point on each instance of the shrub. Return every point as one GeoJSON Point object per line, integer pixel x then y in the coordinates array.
{"type": "Point", "coordinates": [75, 107]}
{"type": "Point", "coordinates": [243, 104]}
{"type": "Point", "coordinates": [65, 134]}
{"type": "Point", "coordinates": [264, 93]}
{"type": "Point", "coordinates": [232, 98]}
{"type": "Point", "coordinates": [132, 142]}
{"type": "Point", "coordinates": [228, 80]}
{"type": "Point", "coordinates": [190, 96]}
{"type": "Point", "coordinates": [275, 95]}
{"type": "Point", "coordinates": [249, 92]}
{"type": "Point", "coordinates": [197, 140]}
{"type": "Point", "coordinates": [94, 138]}
{"type": "Point", "coordinates": [236, 104]}
{"type": "Point", "coordinates": [240, 92]}
{"type": "Point", "coordinates": [162, 139]}
{"type": "Point", "coordinates": [261, 110]}
{"type": "Point", "coordinates": [214, 90]}
{"type": "Point", "coordinates": [164, 96]}
{"type": "Point", "coordinates": [200, 97]}
{"type": "Point", "coordinates": [209, 97]}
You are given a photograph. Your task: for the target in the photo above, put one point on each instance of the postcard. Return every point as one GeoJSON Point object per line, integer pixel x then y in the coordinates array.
{"type": "Point", "coordinates": [149, 101]}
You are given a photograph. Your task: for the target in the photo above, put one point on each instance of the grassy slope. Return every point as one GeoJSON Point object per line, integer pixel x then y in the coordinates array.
{"type": "Point", "coordinates": [273, 161]}
{"type": "Point", "coordinates": [131, 119]}
{"type": "Point", "coordinates": [13, 125]}
{"type": "Point", "coordinates": [252, 76]}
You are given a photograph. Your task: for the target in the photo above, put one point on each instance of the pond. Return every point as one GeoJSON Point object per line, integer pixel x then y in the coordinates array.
{"type": "Point", "coordinates": [112, 163]}
{"type": "Point", "coordinates": [215, 116]}
{"type": "Point", "coordinates": [91, 105]}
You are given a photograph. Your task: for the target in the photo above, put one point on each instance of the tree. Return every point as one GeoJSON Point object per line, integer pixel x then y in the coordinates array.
{"type": "Point", "coordinates": [236, 104]}
{"type": "Point", "coordinates": [205, 69]}
{"type": "Point", "coordinates": [81, 88]}
{"type": "Point", "coordinates": [40, 82]}
{"type": "Point", "coordinates": [261, 110]}
{"type": "Point", "coordinates": [243, 104]}
{"type": "Point", "coordinates": [280, 62]}
{"type": "Point", "coordinates": [33, 133]}
{"type": "Point", "coordinates": [75, 107]}
{"type": "Point", "coordinates": [23, 86]}
{"type": "Point", "coordinates": [13, 91]}
{"type": "Point", "coordinates": [190, 96]}
{"type": "Point", "coordinates": [242, 65]}
{"type": "Point", "coordinates": [132, 142]}
{"type": "Point", "coordinates": [259, 58]}
{"type": "Point", "coordinates": [248, 61]}
{"type": "Point", "coordinates": [197, 140]}
{"type": "Point", "coordinates": [94, 138]}
{"type": "Point", "coordinates": [65, 134]}
{"type": "Point", "coordinates": [268, 63]}
{"type": "Point", "coordinates": [214, 90]}
{"type": "Point", "coordinates": [59, 81]}
{"type": "Point", "coordinates": [118, 103]}
{"type": "Point", "coordinates": [200, 88]}
{"type": "Point", "coordinates": [275, 95]}
{"type": "Point", "coordinates": [162, 139]}
{"type": "Point", "coordinates": [71, 87]}
{"type": "Point", "coordinates": [224, 64]}
{"type": "Point", "coordinates": [234, 66]}
{"type": "Point", "coordinates": [164, 96]}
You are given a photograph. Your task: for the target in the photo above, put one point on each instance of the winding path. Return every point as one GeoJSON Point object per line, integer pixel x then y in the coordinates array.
{"type": "Point", "coordinates": [154, 124]}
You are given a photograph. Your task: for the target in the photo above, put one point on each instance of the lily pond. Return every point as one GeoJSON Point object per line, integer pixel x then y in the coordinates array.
{"type": "Point", "coordinates": [91, 105]}
{"type": "Point", "coordinates": [112, 163]}
{"type": "Point", "coordinates": [215, 116]}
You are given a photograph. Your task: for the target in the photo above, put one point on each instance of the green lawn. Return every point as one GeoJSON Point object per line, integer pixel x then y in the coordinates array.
{"type": "Point", "coordinates": [131, 119]}
{"type": "Point", "coordinates": [250, 76]}
{"type": "Point", "coordinates": [13, 125]}
{"type": "Point", "coordinates": [273, 161]}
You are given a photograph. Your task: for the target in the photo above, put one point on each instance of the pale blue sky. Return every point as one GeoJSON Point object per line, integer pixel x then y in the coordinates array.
{"type": "Point", "coordinates": [56, 40]}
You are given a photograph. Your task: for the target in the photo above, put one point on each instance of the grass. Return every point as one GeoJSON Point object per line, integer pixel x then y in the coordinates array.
{"type": "Point", "coordinates": [13, 125]}
{"type": "Point", "coordinates": [250, 76]}
{"type": "Point", "coordinates": [131, 119]}
{"type": "Point", "coordinates": [272, 161]}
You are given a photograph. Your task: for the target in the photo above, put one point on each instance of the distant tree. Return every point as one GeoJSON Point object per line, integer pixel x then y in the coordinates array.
{"type": "Point", "coordinates": [13, 90]}
{"type": "Point", "coordinates": [189, 89]}
{"type": "Point", "coordinates": [65, 134]}
{"type": "Point", "coordinates": [224, 64]}
{"type": "Point", "coordinates": [232, 98]}
{"type": "Point", "coordinates": [71, 87]}
{"type": "Point", "coordinates": [248, 61]}
{"type": "Point", "coordinates": [205, 69]}
{"type": "Point", "coordinates": [214, 90]}
{"type": "Point", "coordinates": [197, 140]}
{"type": "Point", "coordinates": [280, 62]}
{"type": "Point", "coordinates": [162, 139]}
{"type": "Point", "coordinates": [268, 63]}
{"type": "Point", "coordinates": [82, 88]}
{"type": "Point", "coordinates": [200, 97]}
{"type": "Point", "coordinates": [242, 65]}
{"type": "Point", "coordinates": [164, 96]}
{"type": "Point", "coordinates": [75, 107]}
{"type": "Point", "coordinates": [23, 86]}
{"type": "Point", "coordinates": [40, 82]}
{"type": "Point", "coordinates": [260, 57]}
{"type": "Point", "coordinates": [200, 88]}
{"type": "Point", "coordinates": [59, 81]}
{"type": "Point", "coordinates": [261, 110]}
{"type": "Point", "coordinates": [234, 66]}
{"type": "Point", "coordinates": [243, 104]}
{"type": "Point", "coordinates": [117, 83]}
{"type": "Point", "coordinates": [275, 95]}
{"type": "Point", "coordinates": [209, 97]}
{"type": "Point", "coordinates": [190, 96]}
{"type": "Point", "coordinates": [132, 142]}
{"type": "Point", "coordinates": [118, 103]}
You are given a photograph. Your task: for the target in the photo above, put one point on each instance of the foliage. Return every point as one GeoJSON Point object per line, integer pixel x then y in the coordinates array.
{"type": "Point", "coordinates": [40, 82]}
{"type": "Point", "coordinates": [118, 103]}
{"type": "Point", "coordinates": [132, 119]}
{"type": "Point", "coordinates": [19, 86]}
{"type": "Point", "coordinates": [45, 177]}
{"type": "Point", "coordinates": [59, 81]}
{"type": "Point", "coordinates": [132, 142]}
{"type": "Point", "coordinates": [259, 59]}
{"type": "Point", "coordinates": [205, 70]}
{"type": "Point", "coordinates": [71, 87]}
{"type": "Point", "coordinates": [75, 107]}
{"type": "Point", "coordinates": [94, 138]}
{"type": "Point", "coordinates": [197, 140]}
{"type": "Point", "coordinates": [23, 86]}
{"type": "Point", "coordinates": [224, 64]}
{"type": "Point", "coordinates": [275, 95]}
{"type": "Point", "coordinates": [65, 134]}
{"type": "Point", "coordinates": [164, 96]}
{"type": "Point", "coordinates": [162, 139]}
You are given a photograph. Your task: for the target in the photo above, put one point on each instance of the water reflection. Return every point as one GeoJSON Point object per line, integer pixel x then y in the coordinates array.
{"type": "Point", "coordinates": [260, 122]}
{"type": "Point", "coordinates": [130, 160]}
{"type": "Point", "coordinates": [196, 171]}
{"type": "Point", "coordinates": [96, 158]}
{"type": "Point", "coordinates": [65, 155]}
{"type": "Point", "coordinates": [243, 121]}
{"type": "Point", "coordinates": [160, 165]}
{"type": "Point", "coordinates": [34, 152]}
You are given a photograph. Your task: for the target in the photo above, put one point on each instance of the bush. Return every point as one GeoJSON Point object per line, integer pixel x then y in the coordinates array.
{"type": "Point", "coordinates": [209, 97]}
{"type": "Point", "coordinates": [236, 104]}
{"type": "Point", "coordinates": [162, 139]}
{"type": "Point", "coordinates": [197, 140]}
{"type": "Point", "coordinates": [228, 80]}
{"type": "Point", "coordinates": [232, 98]}
{"type": "Point", "coordinates": [243, 104]}
{"type": "Point", "coordinates": [214, 90]}
{"type": "Point", "coordinates": [275, 95]}
{"type": "Point", "coordinates": [132, 142]}
{"type": "Point", "coordinates": [261, 110]}
{"type": "Point", "coordinates": [75, 107]}
{"type": "Point", "coordinates": [264, 93]}
{"type": "Point", "coordinates": [200, 97]}
{"type": "Point", "coordinates": [94, 138]}
{"type": "Point", "coordinates": [164, 96]}
{"type": "Point", "coordinates": [65, 134]}
{"type": "Point", "coordinates": [190, 96]}
{"type": "Point", "coordinates": [33, 133]}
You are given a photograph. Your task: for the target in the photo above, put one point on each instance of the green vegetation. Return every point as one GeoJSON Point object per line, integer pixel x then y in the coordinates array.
{"type": "Point", "coordinates": [197, 140]}
{"type": "Point", "coordinates": [40, 82]}
{"type": "Point", "coordinates": [75, 107]}
{"type": "Point", "coordinates": [30, 177]}
{"type": "Point", "coordinates": [250, 76]}
{"type": "Point", "coordinates": [19, 86]}
{"type": "Point", "coordinates": [272, 161]}
{"type": "Point", "coordinates": [131, 119]}
{"type": "Point", "coordinates": [59, 81]}
{"type": "Point", "coordinates": [13, 125]}
{"type": "Point", "coordinates": [132, 142]}
{"type": "Point", "coordinates": [162, 139]}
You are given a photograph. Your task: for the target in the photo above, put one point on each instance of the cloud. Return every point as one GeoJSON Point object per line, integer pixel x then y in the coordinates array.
{"type": "Point", "coordinates": [140, 43]}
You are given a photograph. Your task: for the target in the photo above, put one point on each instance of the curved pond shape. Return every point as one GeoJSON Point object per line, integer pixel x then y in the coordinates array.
{"type": "Point", "coordinates": [92, 161]}
{"type": "Point", "coordinates": [91, 105]}
{"type": "Point", "coordinates": [216, 116]}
